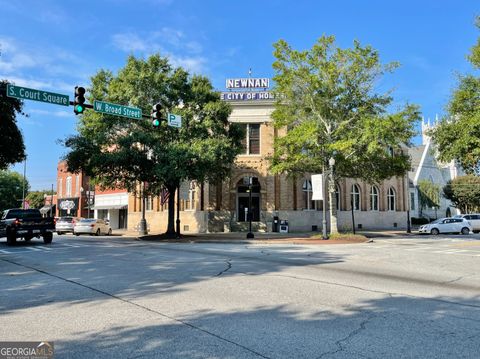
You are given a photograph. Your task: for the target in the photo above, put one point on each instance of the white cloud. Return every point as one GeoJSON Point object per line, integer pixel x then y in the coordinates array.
{"type": "Point", "coordinates": [167, 41]}
{"type": "Point", "coordinates": [129, 42]}
{"type": "Point", "coordinates": [191, 64]}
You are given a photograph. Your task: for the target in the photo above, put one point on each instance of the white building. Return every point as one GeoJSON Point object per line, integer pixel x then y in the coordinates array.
{"type": "Point", "coordinates": [425, 166]}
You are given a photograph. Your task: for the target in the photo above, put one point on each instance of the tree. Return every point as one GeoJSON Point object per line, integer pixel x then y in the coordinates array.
{"type": "Point", "coordinates": [12, 148]}
{"type": "Point", "coordinates": [36, 199]}
{"type": "Point", "coordinates": [428, 194]}
{"type": "Point", "coordinates": [326, 100]}
{"type": "Point", "coordinates": [11, 190]}
{"type": "Point", "coordinates": [457, 135]}
{"type": "Point", "coordinates": [122, 152]}
{"type": "Point", "coordinates": [464, 192]}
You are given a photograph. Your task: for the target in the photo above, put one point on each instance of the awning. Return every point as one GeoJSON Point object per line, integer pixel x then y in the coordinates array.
{"type": "Point", "coordinates": [110, 206]}
{"type": "Point", "coordinates": [45, 209]}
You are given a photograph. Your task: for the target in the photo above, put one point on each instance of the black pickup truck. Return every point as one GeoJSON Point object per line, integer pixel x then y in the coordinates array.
{"type": "Point", "coordinates": [26, 224]}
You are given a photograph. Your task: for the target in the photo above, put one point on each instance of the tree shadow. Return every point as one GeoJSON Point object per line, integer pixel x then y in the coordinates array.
{"type": "Point", "coordinates": [131, 271]}
{"type": "Point", "coordinates": [389, 327]}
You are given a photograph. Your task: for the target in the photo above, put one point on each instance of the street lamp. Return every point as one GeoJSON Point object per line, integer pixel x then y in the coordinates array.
{"type": "Point", "coordinates": [249, 213]}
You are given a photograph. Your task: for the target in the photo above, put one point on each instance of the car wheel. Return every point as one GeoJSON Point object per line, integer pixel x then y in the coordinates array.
{"type": "Point", "coordinates": [59, 233]}
{"type": "Point", "coordinates": [109, 232]}
{"type": "Point", "coordinates": [77, 234]}
{"type": "Point", "coordinates": [47, 238]}
{"type": "Point", "coordinates": [465, 230]}
{"type": "Point", "coordinates": [97, 233]}
{"type": "Point", "coordinates": [434, 231]}
{"type": "Point", "coordinates": [28, 238]}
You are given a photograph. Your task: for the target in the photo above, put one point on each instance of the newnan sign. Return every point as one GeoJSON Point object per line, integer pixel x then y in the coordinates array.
{"type": "Point", "coordinates": [247, 83]}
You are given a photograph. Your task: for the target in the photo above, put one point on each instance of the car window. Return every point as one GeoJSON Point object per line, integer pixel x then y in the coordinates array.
{"type": "Point", "coordinates": [458, 220]}
{"type": "Point", "coordinates": [467, 216]}
{"type": "Point", "coordinates": [65, 219]}
{"type": "Point", "coordinates": [475, 216]}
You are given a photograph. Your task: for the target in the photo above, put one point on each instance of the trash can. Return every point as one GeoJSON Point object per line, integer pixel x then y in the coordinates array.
{"type": "Point", "coordinates": [283, 226]}
{"type": "Point", "coordinates": [275, 224]}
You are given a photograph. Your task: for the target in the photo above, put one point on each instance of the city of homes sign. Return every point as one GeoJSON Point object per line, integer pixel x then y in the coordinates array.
{"type": "Point", "coordinates": [239, 89]}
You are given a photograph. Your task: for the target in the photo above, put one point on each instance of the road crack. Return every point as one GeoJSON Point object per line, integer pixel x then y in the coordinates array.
{"type": "Point", "coordinates": [341, 343]}
{"type": "Point", "coordinates": [229, 266]}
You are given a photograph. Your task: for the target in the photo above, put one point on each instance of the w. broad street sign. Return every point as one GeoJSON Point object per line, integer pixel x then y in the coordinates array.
{"type": "Point", "coordinates": [25, 93]}
{"type": "Point", "coordinates": [117, 110]}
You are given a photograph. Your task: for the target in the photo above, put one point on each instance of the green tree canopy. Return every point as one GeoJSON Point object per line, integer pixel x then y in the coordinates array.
{"type": "Point", "coordinates": [36, 199]}
{"type": "Point", "coordinates": [429, 194]}
{"type": "Point", "coordinates": [11, 189]}
{"type": "Point", "coordinates": [12, 148]}
{"type": "Point", "coordinates": [458, 134]}
{"type": "Point", "coordinates": [464, 192]}
{"type": "Point", "coordinates": [327, 101]}
{"type": "Point", "coordinates": [121, 152]}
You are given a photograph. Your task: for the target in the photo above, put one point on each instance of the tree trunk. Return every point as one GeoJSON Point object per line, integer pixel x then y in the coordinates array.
{"type": "Point", "coordinates": [171, 212]}
{"type": "Point", "coordinates": [332, 204]}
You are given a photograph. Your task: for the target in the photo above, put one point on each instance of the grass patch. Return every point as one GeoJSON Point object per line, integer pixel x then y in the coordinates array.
{"type": "Point", "coordinates": [342, 237]}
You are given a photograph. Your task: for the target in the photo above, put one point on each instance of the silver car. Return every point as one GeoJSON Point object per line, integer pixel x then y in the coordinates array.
{"type": "Point", "coordinates": [65, 224]}
{"type": "Point", "coordinates": [92, 226]}
{"type": "Point", "coordinates": [447, 225]}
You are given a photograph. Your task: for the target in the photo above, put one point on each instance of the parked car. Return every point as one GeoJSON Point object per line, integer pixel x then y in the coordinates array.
{"type": "Point", "coordinates": [26, 224]}
{"type": "Point", "coordinates": [65, 224]}
{"type": "Point", "coordinates": [473, 218]}
{"type": "Point", "coordinates": [447, 225]}
{"type": "Point", "coordinates": [92, 226]}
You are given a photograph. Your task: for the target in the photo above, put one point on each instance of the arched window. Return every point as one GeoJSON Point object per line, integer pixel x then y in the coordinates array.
{"type": "Point", "coordinates": [337, 198]}
{"type": "Point", "coordinates": [355, 197]}
{"type": "Point", "coordinates": [308, 204]}
{"type": "Point", "coordinates": [391, 199]}
{"type": "Point", "coordinates": [374, 198]}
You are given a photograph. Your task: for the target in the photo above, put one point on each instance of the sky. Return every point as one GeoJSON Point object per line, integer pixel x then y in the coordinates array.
{"type": "Point", "coordinates": [56, 45]}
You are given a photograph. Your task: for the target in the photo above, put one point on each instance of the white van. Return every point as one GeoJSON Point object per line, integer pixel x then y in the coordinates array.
{"type": "Point", "coordinates": [473, 218]}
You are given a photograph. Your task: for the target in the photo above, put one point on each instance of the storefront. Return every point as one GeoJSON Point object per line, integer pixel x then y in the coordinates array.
{"type": "Point", "coordinates": [68, 207]}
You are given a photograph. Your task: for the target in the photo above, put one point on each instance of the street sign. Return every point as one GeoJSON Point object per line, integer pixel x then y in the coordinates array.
{"type": "Point", "coordinates": [25, 93]}
{"type": "Point", "coordinates": [174, 120]}
{"type": "Point", "coordinates": [117, 110]}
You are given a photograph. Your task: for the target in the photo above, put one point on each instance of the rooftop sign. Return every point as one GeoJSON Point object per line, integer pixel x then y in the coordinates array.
{"type": "Point", "coordinates": [247, 83]}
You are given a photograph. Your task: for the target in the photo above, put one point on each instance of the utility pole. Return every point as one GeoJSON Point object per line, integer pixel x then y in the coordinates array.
{"type": "Point", "coordinates": [51, 202]}
{"type": "Point", "coordinates": [324, 206]}
{"type": "Point", "coordinates": [24, 181]}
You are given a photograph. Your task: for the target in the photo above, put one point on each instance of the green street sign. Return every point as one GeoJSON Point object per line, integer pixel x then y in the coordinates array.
{"type": "Point", "coordinates": [117, 110]}
{"type": "Point", "coordinates": [25, 93]}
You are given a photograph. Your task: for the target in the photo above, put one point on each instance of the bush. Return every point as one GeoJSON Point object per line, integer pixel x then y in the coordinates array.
{"type": "Point", "coordinates": [420, 220]}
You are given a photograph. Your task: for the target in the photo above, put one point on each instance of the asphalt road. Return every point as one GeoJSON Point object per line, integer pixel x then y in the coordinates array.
{"type": "Point", "coordinates": [107, 297]}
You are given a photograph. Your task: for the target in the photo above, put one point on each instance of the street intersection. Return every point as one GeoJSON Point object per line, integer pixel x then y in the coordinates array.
{"type": "Point", "coordinates": [118, 297]}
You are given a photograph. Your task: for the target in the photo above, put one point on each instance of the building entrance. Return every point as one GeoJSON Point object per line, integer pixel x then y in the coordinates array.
{"type": "Point", "coordinates": [243, 199]}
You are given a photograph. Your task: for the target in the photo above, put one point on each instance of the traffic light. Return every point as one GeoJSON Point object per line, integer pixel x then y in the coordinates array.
{"type": "Point", "coordinates": [79, 101]}
{"type": "Point", "coordinates": [156, 115]}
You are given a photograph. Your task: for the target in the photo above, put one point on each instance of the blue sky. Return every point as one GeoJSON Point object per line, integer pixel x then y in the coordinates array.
{"type": "Point", "coordinates": [55, 45]}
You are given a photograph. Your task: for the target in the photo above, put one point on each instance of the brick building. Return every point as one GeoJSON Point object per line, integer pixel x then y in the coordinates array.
{"type": "Point", "coordinates": [72, 193]}
{"type": "Point", "coordinates": [222, 207]}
